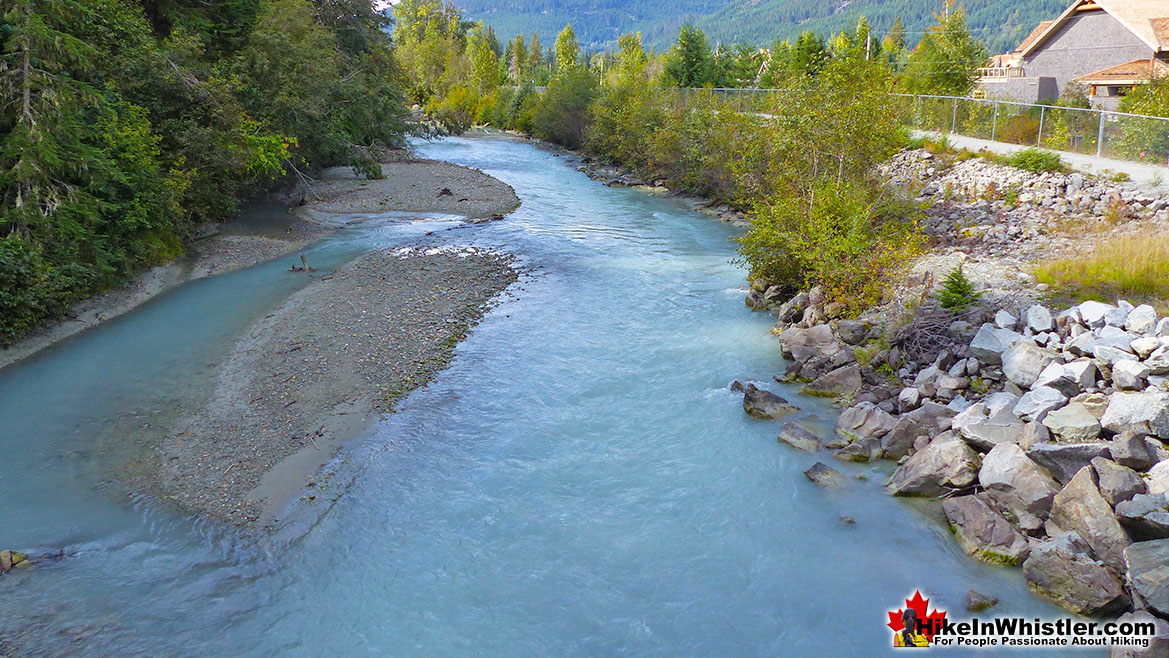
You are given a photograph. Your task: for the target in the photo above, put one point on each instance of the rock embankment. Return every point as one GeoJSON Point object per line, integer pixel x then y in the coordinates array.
{"type": "Point", "coordinates": [1043, 430]}
{"type": "Point", "coordinates": [1045, 434]}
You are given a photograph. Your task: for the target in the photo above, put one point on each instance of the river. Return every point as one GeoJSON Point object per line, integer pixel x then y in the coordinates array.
{"type": "Point", "coordinates": [580, 482]}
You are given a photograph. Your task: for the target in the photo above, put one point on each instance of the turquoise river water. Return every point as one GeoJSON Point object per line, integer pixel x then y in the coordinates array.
{"type": "Point", "coordinates": [580, 482]}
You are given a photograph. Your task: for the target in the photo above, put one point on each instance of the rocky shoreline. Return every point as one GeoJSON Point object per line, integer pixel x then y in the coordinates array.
{"type": "Point", "coordinates": [1041, 430]}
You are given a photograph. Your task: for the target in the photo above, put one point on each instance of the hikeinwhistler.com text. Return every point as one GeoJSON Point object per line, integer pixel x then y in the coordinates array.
{"type": "Point", "coordinates": [1020, 632]}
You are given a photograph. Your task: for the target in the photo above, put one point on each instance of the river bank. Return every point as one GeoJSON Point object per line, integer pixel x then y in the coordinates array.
{"type": "Point", "coordinates": [409, 185]}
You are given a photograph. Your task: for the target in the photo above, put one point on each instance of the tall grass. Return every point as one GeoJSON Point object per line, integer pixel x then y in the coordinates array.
{"type": "Point", "coordinates": [1135, 266]}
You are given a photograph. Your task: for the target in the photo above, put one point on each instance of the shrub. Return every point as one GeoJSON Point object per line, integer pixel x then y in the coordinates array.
{"type": "Point", "coordinates": [839, 237]}
{"type": "Point", "coordinates": [1036, 160]}
{"type": "Point", "coordinates": [562, 115]}
{"type": "Point", "coordinates": [1123, 266]}
{"type": "Point", "coordinates": [957, 293]}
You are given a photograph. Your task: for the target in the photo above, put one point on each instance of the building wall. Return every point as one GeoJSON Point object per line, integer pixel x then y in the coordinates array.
{"type": "Point", "coordinates": [1023, 90]}
{"type": "Point", "coordinates": [1087, 42]}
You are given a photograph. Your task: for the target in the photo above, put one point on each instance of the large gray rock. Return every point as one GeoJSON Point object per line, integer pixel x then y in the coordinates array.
{"type": "Point", "coordinates": [908, 399]}
{"type": "Point", "coordinates": [1158, 646]}
{"type": "Point", "coordinates": [1146, 516]}
{"type": "Point", "coordinates": [1130, 375]}
{"type": "Point", "coordinates": [1130, 449]}
{"type": "Point", "coordinates": [1110, 356]}
{"type": "Point", "coordinates": [1118, 316]}
{"type": "Point", "coordinates": [845, 380]}
{"type": "Point", "coordinates": [852, 332]}
{"type": "Point", "coordinates": [1117, 483]}
{"type": "Point", "coordinates": [801, 344]}
{"type": "Point", "coordinates": [864, 420]}
{"type": "Point", "coordinates": [1036, 403]}
{"type": "Point", "coordinates": [983, 533]}
{"type": "Point", "coordinates": [793, 309]}
{"type": "Point", "coordinates": [1018, 484]}
{"type": "Point", "coordinates": [1068, 378]}
{"type": "Point", "coordinates": [1062, 570]}
{"type": "Point", "coordinates": [1092, 313]}
{"type": "Point", "coordinates": [1141, 320]}
{"type": "Point", "coordinates": [1148, 573]}
{"type": "Point", "coordinates": [1023, 363]}
{"type": "Point", "coordinates": [946, 464]}
{"type": "Point", "coordinates": [990, 342]}
{"type": "Point", "coordinates": [1073, 423]}
{"type": "Point", "coordinates": [932, 415]}
{"type": "Point", "coordinates": [761, 403]}
{"type": "Point", "coordinates": [1147, 412]}
{"type": "Point", "coordinates": [1158, 361]}
{"type": "Point", "coordinates": [1038, 319]}
{"type": "Point", "coordinates": [1063, 461]}
{"type": "Point", "coordinates": [863, 451]}
{"type": "Point", "coordinates": [1080, 508]}
{"type": "Point", "coordinates": [1145, 346]}
{"type": "Point", "coordinates": [900, 441]}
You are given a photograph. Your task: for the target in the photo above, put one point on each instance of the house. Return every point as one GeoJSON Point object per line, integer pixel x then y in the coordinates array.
{"type": "Point", "coordinates": [1109, 46]}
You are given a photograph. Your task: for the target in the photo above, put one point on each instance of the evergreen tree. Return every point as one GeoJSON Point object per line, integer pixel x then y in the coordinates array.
{"type": "Point", "coordinates": [567, 50]}
{"type": "Point", "coordinates": [690, 63]}
{"type": "Point", "coordinates": [517, 63]}
{"type": "Point", "coordinates": [535, 55]}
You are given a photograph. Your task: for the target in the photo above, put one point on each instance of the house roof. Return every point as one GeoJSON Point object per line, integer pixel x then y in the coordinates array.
{"type": "Point", "coordinates": [1039, 29]}
{"type": "Point", "coordinates": [1137, 71]}
{"type": "Point", "coordinates": [1147, 19]}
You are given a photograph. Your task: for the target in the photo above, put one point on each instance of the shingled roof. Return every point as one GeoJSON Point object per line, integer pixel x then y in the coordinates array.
{"type": "Point", "coordinates": [1147, 19]}
{"type": "Point", "coordinates": [1135, 72]}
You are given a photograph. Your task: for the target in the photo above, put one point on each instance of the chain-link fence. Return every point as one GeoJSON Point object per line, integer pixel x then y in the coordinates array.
{"type": "Point", "coordinates": [1101, 133]}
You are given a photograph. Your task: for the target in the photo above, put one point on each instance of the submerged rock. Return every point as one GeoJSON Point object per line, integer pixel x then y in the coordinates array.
{"type": "Point", "coordinates": [825, 476]}
{"type": "Point", "coordinates": [977, 601]}
{"type": "Point", "coordinates": [761, 403]}
{"type": "Point", "coordinates": [799, 437]}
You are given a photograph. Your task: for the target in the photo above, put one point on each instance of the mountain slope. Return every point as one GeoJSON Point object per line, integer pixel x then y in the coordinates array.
{"type": "Point", "coordinates": [1002, 24]}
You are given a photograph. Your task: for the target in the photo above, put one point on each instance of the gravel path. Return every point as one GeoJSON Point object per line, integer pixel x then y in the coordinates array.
{"type": "Point", "coordinates": [316, 372]}
{"type": "Point", "coordinates": [414, 186]}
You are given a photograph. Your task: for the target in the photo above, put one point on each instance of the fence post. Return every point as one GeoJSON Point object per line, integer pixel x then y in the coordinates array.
{"type": "Point", "coordinates": [954, 118]}
{"type": "Point", "coordinates": [1100, 137]}
{"type": "Point", "coordinates": [917, 111]}
{"type": "Point", "coordinates": [1042, 112]}
{"type": "Point", "coordinates": [994, 123]}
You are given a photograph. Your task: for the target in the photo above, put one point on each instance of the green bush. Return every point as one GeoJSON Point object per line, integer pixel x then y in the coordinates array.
{"type": "Point", "coordinates": [562, 115]}
{"type": "Point", "coordinates": [840, 237]}
{"type": "Point", "coordinates": [1035, 160]}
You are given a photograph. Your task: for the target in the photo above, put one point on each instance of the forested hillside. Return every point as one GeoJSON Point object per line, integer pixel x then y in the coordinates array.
{"type": "Point", "coordinates": [1001, 24]}
{"type": "Point", "coordinates": [124, 125]}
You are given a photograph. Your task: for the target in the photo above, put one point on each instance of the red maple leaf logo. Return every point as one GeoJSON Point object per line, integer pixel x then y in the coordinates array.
{"type": "Point", "coordinates": [930, 622]}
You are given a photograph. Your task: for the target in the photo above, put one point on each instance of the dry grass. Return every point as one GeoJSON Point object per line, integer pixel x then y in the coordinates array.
{"type": "Point", "coordinates": [1129, 266]}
